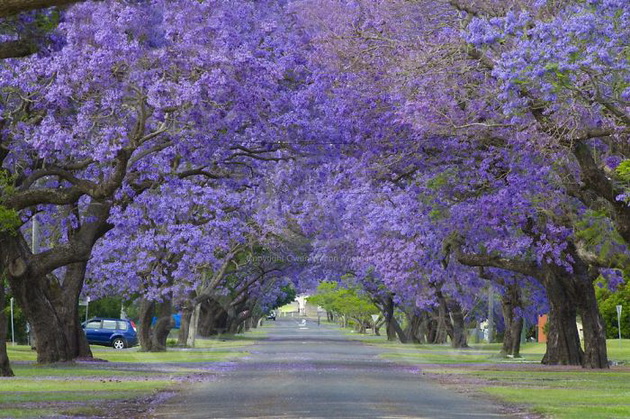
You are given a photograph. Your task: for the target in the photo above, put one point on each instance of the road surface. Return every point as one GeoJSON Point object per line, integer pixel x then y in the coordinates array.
{"type": "Point", "coordinates": [311, 371]}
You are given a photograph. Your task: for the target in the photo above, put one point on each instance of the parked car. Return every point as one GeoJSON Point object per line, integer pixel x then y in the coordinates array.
{"type": "Point", "coordinates": [271, 316]}
{"type": "Point", "coordinates": [117, 333]}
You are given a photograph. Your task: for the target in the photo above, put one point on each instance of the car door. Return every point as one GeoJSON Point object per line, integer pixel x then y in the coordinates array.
{"type": "Point", "coordinates": [108, 329]}
{"type": "Point", "coordinates": [92, 331]}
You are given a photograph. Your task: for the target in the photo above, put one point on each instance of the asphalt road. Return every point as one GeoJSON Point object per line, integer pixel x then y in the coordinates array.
{"type": "Point", "coordinates": [315, 371]}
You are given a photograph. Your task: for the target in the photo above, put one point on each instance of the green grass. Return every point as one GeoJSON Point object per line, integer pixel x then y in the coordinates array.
{"type": "Point", "coordinates": [88, 384]}
{"type": "Point", "coordinates": [12, 398]}
{"type": "Point", "coordinates": [171, 356]}
{"type": "Point", "coordinates": [89, 389]}
{"type": "Point", "coordinates": [215, 350]}
{"type": "Point", "coordinates": [568, 403]}
{"type": "Point", "coordinates": [557, 392]}
{"type": "Point", "coordinates": [21, 353]}
{"type": "Point", "coordinates": [480, 353]}
{"type": "Point", "coordinates": [26, 413]}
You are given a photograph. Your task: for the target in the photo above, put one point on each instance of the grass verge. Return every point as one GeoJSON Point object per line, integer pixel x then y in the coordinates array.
{"type": "Point", "coordinates": [95, 389]}
{"type": "Point", "coordinates": [552, 391]}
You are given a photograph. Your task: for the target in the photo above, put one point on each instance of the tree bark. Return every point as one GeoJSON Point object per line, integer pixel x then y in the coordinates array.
{"type": "Point", "coordinates": [13, 7]}
{"type": "Point", "coordinates": [510, 301]}
{"type": "Point", "coordinates": [563, 340]}
{"type": "Point", "coordinates": [212, 319]}
{"type": "Point", "coordinates": [50, 304]}
{"type": "Point", "coordinates": [458, 336]}
{"type": "Point", "coordinates": [439, 333]}
{"type": "Point", "coordinates": [417, 327]}
{"type": "Point", "coordinates": [453, 321]}
{"type": "Point", "coordinates": [593, 326]}
{"type": "Point", "coordinates": [52, 310]}
{"type": "Point", "coordinates": [162, 327]}
{"type": "Point", "coordinates": [5, 366]}
{"type": "Point", "coordinates": [193, 328]}
{"type": "Point", "coordinates": [182, 337]}
{"type": "Point", "coordinates": [147, 308]}
{"type": "Point", "coordinates": [393, 328]}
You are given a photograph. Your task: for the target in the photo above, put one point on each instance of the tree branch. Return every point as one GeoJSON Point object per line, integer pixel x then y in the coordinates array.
{"type": "Point", "coordinates": [16, 49]}
{"type": "Point", "coordinates": [13, 7]}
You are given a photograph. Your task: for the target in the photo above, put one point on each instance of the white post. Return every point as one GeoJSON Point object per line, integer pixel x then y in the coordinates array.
{"type": "Point", "coordinates": [490, 314]}
{"type": "Point", "coordinates": [12, 326]}
{"type": "Point", "coordinates": [619, 307]}
{"type": "Point", "coordinates": [87, 305]}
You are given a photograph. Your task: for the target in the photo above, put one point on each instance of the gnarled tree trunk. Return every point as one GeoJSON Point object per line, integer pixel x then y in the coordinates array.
{"type": "Point", "coordinates": [567, 293]}
{"type": "Point", "coordinates": [50, 304]}
{"type": "Point", "coordinates": [417, 327]}
{"type": "Point", "coordinates": [595, 351]}
{"type": "Point", "coordinates": [594, 328]}
{"type": "Point", "coordinates": [184, 328]}
{"type": "Point", "coordinates": [147, 308]}
{"type": "Point", "coordinates": [453, 319]}
{"type": "Point", "coordinates": [511, 301]}
{"type": "Point", "coordinates": [162, 327]}
{"type": "Point", "coordinates": [457, 328]}
{"type": "Point", "coordinates": [563, 340]}
{"type": "Point", "coordinates": [52, 310]}
{"type": "Point", "coordinates": [212, 319]}
{"type": "Point", "coordinates": [193, 327]}
{"type": "Point", "coordinates": [5, 366]}
{"type": "Point", "coordinates": [392, 326]}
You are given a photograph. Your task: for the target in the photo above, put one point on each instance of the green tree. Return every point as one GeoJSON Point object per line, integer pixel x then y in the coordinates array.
{"type": "Point", "coordinates": [345, 301]}
{"type": "Point", "coordinates": [607, 301]}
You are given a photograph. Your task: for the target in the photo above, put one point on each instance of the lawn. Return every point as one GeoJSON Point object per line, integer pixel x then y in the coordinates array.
{"type": "Point", "coordinates": [96, 388]}
{"type": "Point", "coordinates": [557, 392]}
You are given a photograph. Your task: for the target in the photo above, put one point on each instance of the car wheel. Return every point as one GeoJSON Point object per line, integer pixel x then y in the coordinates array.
{"type": "Point", "coordinates": [118, 343]}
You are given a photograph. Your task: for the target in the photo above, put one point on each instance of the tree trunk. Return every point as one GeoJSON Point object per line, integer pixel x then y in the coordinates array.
{"type": "Point", "coordinates": [453, 320]}
{"type": "Point", "coordinates": [511, 301]}
{"type": "Point", "coordinates": [162, 327]}
{"type": "Point", "coordinates": [378, 325]}
{"type": "Point", "coordinates": [49, 304]}
{"type": "Point", "coordinates": [416, 330]}
{"type": "Point", "coordinates": [563, 340]}
{"type": "Point", "coordinates": [5, 366]}
{"type": "Point", "coordinates": [212, 319]}
{"type": "Point", "coordinates": [52, 311]}
{"type": "Point", "coordinates": [457, 326]}
{"type": "Point", "coordinates": [593, 326]}
{"type": "Point", "coordinates": [192, 329]}
{"type": "Point", "coordinates": [393, 328]}
{"type": "Point", "coordinates": [440, 335]}
{"type": "Point", "coordinates": [147, 308]}
{"type": "Point", "coordinates": [567, 292]}
{"type": "Point", "coordinates": [184, 327]}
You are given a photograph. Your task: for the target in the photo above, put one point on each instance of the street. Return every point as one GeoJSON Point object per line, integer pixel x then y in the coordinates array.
{"type": "Point", "coordinates": [310, 371]}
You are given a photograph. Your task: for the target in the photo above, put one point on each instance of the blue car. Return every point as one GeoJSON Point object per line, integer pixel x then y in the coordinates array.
{"type": "Point", "coordinates": [117, 333]}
